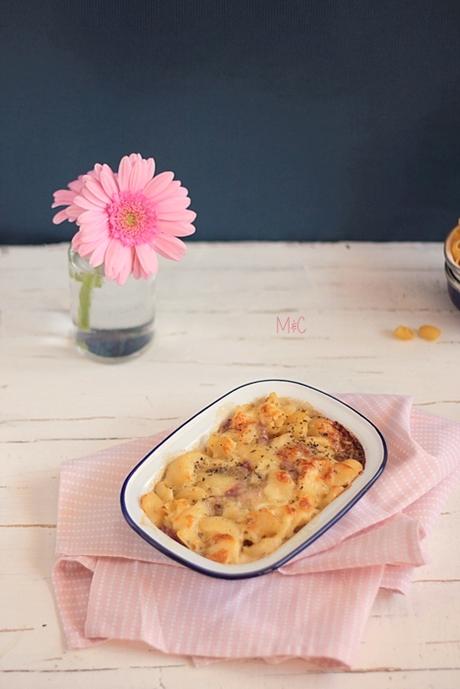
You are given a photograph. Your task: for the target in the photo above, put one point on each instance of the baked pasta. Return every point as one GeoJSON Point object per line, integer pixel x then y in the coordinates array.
{"type": "Point", "coordinates": [454, 244]}
{"type": "Point", "coordinates": [264, 474]}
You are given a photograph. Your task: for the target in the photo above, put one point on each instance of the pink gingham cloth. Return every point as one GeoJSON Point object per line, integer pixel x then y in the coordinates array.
{"type": "Point", "coordinates": [110, 584]}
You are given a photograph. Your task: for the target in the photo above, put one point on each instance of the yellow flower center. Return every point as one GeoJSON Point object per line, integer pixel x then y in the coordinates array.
{"type": "Point", "coordinates": [130, 220]}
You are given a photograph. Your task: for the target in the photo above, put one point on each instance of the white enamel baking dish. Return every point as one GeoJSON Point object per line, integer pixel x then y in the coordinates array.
{"type": "Point", "coordinates": [191, 433]}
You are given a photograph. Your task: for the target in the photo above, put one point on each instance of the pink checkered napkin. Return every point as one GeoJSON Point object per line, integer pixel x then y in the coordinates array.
{"type": "Point", "coordinates": [110, 584]}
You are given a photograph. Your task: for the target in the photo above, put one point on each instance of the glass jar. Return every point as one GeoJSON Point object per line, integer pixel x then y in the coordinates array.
{"type": "Point", "coordinates": [112, 321]}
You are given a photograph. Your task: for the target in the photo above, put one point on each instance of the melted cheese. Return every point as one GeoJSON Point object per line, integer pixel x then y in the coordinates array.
{"type": "Point", "coordinates": [270, 468]}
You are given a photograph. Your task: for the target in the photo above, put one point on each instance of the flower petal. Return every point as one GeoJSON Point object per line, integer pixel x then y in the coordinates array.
{"type": "Point", "coordinates": [73, 212]}
{"type": "Point", "coordinates": [63, 197]}
{"type": "Point", "coordinates": [76, 241]}
{"type": "Point", "coordinates": [60, 217]}
{"type": "Point", "coordinates": [147, 258]}
{"type": "Point", "coordinates": [149, 164]}
{"type": "Point", "coordinates": [169, 246]}
{"type": "Point", "coordinates": [138, 272]}
{"type": "Point", "coordinates": [136, 178]}
{"type": "Point", "coordinates": [85, 203]}
{"type": "Point", "coordinates": [173, 190]}
{"type": "Point", "coordinates": [89, 196]}
{"type": "Point", "coordinates": [117, 258]}
{"type": "Point", "coordinates": [173, 204]}
{"type": "Point", "coordinates": [77, 184]}
{"type": "Point", "coordinates": [97, 257]}
{"type": "Point", "coordinates": [127, 265]}
{"type": "Point", "coordinates": [96, 171]}
{"type": "Point", "coordinates": [158, 184]}
{"type": "Point", "coordinates": [108, 182]}
{"type": "Point", "coordinates": [86, 248]}
{"type": "Point", "coordinates": [179, 215]}
{"type": "Point", "coordinates": [92, 216]}
{"type": "Point", "coordinates": [91, 231]}
{"type": "Point", "coordinates": [179, 229]}
{"type": "Point", "coordinates": [124, 173]}
{"type": "Point", "coordinates": [95, 187]}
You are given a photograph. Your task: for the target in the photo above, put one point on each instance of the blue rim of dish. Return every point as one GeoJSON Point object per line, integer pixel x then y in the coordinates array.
{"type": "Point", "coordinates": [264, 570]}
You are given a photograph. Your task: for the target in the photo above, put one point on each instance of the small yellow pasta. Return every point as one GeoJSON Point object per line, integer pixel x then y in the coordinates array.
{"type": "Point", "coordinates": [402, 332]}
{"type": "Point", "coordinates": [298, 424]}
{"type": "Point", "coordinates": [219, 484]}
{"type": "Point", "coordinates": [181, 470]}
{"type": "Point", "coordinates": [163, 491]}
{"type": "Point", "coordinates": [271, 414]}
{"type": "Point", "coordinates": [320, 445]}
{"type": "Point", "coordinates": [223, 548]}
{"type": "Point", "coordinates": [314, 488]}
{"type": "Point", "coordinates": [221, 445]}
{"type": "Point", "coordinates": [152, 506]}
{"type": "Point", "coordinates": [333, 493]}
{"type": "Point", "coordinates": [191, 493]}
{"type": "Point", "coordinates": [429, 332]}
{"type": "Point", "coordinates": [212, 525]}
{"type": "Point", "coordinates": [279, 486]}
{"type": "Point", "coordinates": [260, 549]}
{"type": "Point", "coordinates": [345, 472]}
{"type": "Point", "coordinates": [261, 524]}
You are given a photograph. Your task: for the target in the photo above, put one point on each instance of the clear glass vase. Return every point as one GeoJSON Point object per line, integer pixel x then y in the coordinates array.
{"type": "Point", "coordinates": [112, 321]}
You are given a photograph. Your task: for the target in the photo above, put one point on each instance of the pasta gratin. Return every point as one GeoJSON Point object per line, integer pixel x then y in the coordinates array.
{"type": "Point", "coordinates": [455, 244]}
{"type": "Point", "coordinates": [264, 474]}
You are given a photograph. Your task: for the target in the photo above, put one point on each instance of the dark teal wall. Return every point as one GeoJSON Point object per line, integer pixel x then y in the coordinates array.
{"type": "Point", "coordinates": [287, 120]}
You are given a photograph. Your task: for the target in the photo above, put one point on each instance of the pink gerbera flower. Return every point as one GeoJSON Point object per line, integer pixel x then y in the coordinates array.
{"type": "Point", "coordinates": [126, 218]}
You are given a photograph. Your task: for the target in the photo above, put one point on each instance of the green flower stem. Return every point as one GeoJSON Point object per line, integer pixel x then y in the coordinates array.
{"type": "Point", "coordinates": [88, 282]}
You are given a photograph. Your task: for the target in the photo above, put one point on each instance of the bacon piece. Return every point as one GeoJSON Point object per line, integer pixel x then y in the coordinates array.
{"type": "Point", "coordinates": [290, 468]}
{"type": "Point", "coordinates": [234, 491]}
{"type": "Point", "coordinates": [225, 425]}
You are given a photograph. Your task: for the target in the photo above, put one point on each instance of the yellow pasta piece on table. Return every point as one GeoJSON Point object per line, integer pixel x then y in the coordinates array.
{"type": "Point", "coordinates": [402, 332]}
{"type": "Point", "coordinates": [429, 332]}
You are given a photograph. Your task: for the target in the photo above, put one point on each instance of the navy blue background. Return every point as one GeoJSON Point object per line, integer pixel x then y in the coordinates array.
{"type": "Point", "coordinates": [286, 120]}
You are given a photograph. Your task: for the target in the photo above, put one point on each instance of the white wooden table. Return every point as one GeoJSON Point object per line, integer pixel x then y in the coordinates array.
{"type": "Point", "coordinates": [217, 317]}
